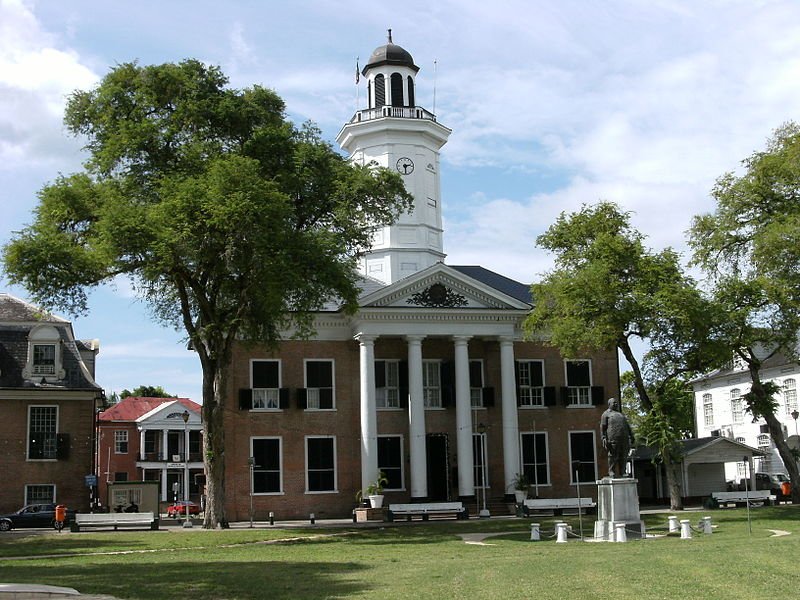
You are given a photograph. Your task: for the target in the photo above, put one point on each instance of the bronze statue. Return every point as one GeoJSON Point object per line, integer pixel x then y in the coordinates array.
{"type": "Point", "coordinates": [617, 438]}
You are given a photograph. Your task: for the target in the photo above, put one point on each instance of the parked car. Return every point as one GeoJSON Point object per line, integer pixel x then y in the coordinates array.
{"type": "Point", "coordinates": [179, 509]}
{"type": "Point", "coordinates": [33, 515]}
{"type": "Point", "coordinates": [776, 483]}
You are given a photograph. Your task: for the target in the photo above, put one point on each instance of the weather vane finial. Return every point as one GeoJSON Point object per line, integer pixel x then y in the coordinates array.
{"type": "Point", "coordinates": [390, 35]}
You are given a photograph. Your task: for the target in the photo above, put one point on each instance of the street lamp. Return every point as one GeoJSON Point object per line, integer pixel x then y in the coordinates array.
{"type": "Point", "coordinates": [484, 513]}
{"type": "Point", "coordinates": [251, 462]}
{"type": "Point", "coordinates": [185, 417]}
{"type": "Point", "coordinates": [795, 414]}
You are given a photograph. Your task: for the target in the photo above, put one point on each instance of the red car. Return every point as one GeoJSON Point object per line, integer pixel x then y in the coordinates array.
{"type": "Point", "coordinates": [179, 509]}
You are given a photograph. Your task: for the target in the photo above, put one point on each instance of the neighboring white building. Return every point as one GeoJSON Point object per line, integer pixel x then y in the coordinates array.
{"type": "Point", "coordinates": [720, 410]}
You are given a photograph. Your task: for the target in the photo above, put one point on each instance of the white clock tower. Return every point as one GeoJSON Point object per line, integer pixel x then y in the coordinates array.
{"type": "Point", "coordinates": [394, 132]}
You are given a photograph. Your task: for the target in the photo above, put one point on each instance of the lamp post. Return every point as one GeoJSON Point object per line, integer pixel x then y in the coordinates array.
{"type": "Point", "coordinates": [185, 416]}
{"type": "Point", "coordinates": [251, 462]}
{"type": "Point", "coordinates": [795, 414]}
{"type": "Point", "coordinates": [484, 513]}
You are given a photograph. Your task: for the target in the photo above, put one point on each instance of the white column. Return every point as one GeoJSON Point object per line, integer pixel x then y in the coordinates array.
{"type": "Point", "coordinates": [369, 417]}
{"type": "Point", "coordinates": [416, 420]}
{"type": "Point", "coordinates": [508, 390]}
{"type": "Point", "coordinates": [466, 472]}
{"type": "Point", "coordinates": [141, 444]}
{"type": "Point", "coordinates": [165, 445]}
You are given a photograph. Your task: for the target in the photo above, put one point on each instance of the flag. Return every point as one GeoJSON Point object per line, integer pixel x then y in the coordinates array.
{"type": "Point", "coordinates": [358, 73]}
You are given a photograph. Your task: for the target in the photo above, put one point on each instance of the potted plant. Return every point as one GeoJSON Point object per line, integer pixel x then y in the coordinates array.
{"type": "Point", "coordinates": [375, 490]}
{"type": "Point", "coordinates": [520, 484]}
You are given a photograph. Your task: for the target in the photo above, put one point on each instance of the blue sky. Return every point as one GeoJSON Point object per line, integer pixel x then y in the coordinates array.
{"type": "Point", "coordinates": [552, 104]}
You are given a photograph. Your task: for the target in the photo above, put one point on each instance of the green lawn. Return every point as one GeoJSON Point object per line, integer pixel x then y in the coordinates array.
{"type": "Point", "coordinates": [419, 561]}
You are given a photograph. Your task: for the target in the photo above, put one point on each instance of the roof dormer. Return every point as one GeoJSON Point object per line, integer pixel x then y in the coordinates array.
{"type": "Point", "coordinates": [45, 355]}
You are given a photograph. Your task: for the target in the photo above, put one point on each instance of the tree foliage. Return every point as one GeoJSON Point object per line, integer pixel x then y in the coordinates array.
{"type": "Point", "coordinates": [146, 391]}
{"type": "Point", "coordinates": [608, 290]}
{"type": "Point", "coordinates": [232, 223]}
{"type": "Point", "coordinates": [749, 249]}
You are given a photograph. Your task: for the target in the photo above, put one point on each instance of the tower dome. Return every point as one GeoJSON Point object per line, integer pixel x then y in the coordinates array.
{"type": "Point", "coordinates": [390, 54]}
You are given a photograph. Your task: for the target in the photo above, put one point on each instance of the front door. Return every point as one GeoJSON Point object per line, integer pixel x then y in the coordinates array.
{"type": "Point", "coordinates": [438, 467]}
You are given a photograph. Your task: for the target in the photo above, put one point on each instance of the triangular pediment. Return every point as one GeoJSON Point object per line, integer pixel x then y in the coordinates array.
{"type": "Point", "coordinates": [441, 287]}
{"type": "Point", "coordinates": [169, 414]}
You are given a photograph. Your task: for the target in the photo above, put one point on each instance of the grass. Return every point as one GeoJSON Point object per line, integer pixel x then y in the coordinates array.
{"type": "Point", "coordinates": [419, 561]}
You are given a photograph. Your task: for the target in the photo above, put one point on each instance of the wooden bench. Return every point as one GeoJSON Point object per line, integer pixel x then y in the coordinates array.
{"type": "Point", "coordinates": [115, 520]}
{"type": "Point", "coordinates": [557, 506]}
{"type": "Point", "coordinates": [741, 498]}
{"type": "Point", "coordinates": [426, 509]}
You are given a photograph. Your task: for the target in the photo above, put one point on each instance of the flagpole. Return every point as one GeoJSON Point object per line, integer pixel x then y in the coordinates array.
{"type": "Point", "coordinates": [358, 77]}
{"type": "Point", "coordinates": [435, 62]}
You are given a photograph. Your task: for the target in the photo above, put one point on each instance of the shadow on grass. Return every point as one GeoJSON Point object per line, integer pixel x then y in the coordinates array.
{"type": "Point", "coordinates": [261, 579]}
{"type": "Point", "coordinates": [29, 545]}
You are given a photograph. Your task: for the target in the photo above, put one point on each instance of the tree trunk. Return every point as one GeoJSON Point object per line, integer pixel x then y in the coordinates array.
{"type": "Point", "coordinates": [674, 482]}
{"type": "Point", "coordinates": [214, 443]}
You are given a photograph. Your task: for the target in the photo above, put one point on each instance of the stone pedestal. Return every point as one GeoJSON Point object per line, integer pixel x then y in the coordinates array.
{"type": "Point", "coordinates": [617, 502]}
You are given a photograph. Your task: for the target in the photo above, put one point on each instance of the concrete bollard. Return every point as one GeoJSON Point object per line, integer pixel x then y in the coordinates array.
{"type": "Point", "coordinates": [535, 535]}
{"type": "Point", "coordinates": [561, 533]}
{"type": "Point", "coordinates": [705, 525]}
{"type": "Point", "coordinates": [620, 535]}
{"type": "Point", "coordinates": [686, 529]}
{"type": "Point", "coordinates": [673, 523]}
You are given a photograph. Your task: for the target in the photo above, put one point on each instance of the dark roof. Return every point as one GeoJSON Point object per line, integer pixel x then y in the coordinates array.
{"type": "Point", "coordinates": [390, 54]}
{"type": "Point", "coordinates": [501, 283]}
{"type": "Point", "coordinates": [17, 318]}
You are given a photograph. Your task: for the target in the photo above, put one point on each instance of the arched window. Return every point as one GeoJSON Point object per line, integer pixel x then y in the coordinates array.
{"type": "Point", "coordinates": [411, 91]}
{"type": "Point", "coordinates": [763, 442]}
{"type": "Point", "coordinates": [380, 92]}
{"type": "Point", "coordinates": [708, 410]}
{"type": "Point", "coordinates": [790, 395]}
{"type": "Point", "coordinates": [736, 406]}
{"type": "Point", "coordinates": [397, 89]}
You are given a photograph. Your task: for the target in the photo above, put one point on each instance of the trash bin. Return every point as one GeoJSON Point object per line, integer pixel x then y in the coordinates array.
{"type": "Point", "coordinates": [60, 517]}
{"type": "Point", "coordinates": [786, 489]}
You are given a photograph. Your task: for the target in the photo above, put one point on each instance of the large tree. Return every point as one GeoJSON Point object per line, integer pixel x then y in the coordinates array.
{"type": "Point", "coordinates": [750, 249]}
{"type": "Point", "coordinates": [608, 290]}
{"type": "Point", "coordinates": [146, 391]}
{"type": "Point", "coordinates": [231, 223]}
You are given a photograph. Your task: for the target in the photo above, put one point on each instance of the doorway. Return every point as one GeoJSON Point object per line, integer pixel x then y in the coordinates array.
{"type": "Point", "coordinates": [437, 448]}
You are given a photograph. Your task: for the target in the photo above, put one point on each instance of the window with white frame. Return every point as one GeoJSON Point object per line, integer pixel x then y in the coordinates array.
{"type": "Point", "coordinates": [476, 383]}
{"type": "Point", "coordinates": [790, 395]}
{"type": "Point", "coordinates": [535, 464]}
{"type": "Point", "coordinates": [582, 456]}
{"type": "Point", "coordinates": [530, 382]}
{"type": "Point", "coordinates": [44, 359]}
{"type": "Point", "coordinates": [42, 432]}
{"type": "Point", "coordinates": [390, 460]}
{"type": "Point", "coordinates": [40, 494]}
{"type": "Point", "coordinates": [763, 442]}
{"type": "Point", "coordinates": [121, 442]}
{"type": "Point", "coordinates": [267, 461]}
{"type": "Point", "coordinates": [321, 464]}
{"type": "Point", "coordinates": [319, 384]}
{"type": "Point", "coordinates": [432, 383]}
{"type": "Point", "coordinates": [708, 410]}
{"type": "Point", "coordinates": [387, 383]}
{"type": "Point", "coordinates": [579, 382]}
{"type": "Point", "coordinates": [265, 376]}
{"type": "Point", "coordinates": [737, 411]}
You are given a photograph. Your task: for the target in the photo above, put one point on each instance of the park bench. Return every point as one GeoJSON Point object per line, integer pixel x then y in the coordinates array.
{"type": "Point", "coordinates": [426, 509]}
{"type": "Point", "coordinates": [741, 498]}
{"type": "Point", "coordinates": [115, 520]}
{"type": "Point", "coordinates": [556, 506]}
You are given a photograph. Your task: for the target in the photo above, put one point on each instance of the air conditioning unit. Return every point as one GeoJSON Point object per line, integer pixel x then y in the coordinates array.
{"type": "Point", "coordinates": [176, 458]}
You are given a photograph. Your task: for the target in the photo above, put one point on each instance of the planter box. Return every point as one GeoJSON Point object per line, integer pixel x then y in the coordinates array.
{"type": "Point", "coordinates": [370, 514]}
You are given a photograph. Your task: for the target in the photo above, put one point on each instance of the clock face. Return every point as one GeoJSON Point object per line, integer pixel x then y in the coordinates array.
{"type": "Point", "coordinates": [405, 166]}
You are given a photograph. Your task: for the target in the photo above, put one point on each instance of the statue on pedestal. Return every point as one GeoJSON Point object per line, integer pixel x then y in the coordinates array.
{"type": "Point", "coordinates": [617, 438]}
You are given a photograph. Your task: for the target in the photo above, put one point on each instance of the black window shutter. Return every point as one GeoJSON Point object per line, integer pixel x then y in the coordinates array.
{"type": "Point", "coordinates": [403, 375]}
{"type": "Point", "coordinates": [516, 374]}
{"type": "Point", "coordinates": [475, 374]}
{"type": "Point", "coordinates": [245, 398]}
{"type": "Point", "coordinates": [326, 398]}
{"type": "Point", "coordinates": [598, 395]}
{"type": "Point", "coordinates": [448, 397]}
{"type": "Point", "coordinates": [488, 396]}
{"type": "Point", "coordinates": [302, 398]}
{"type": "Point", "coordinates": [62, 446]}
{"type": "Point", "coordinates": [380, 374]}
{"type": "Point", "coordinates": [549, 396]}
{"type": "Point", "coordinates": [564, 396]}
{"type": "Point", "coordinates": [283, 395]}
{"type": "Point", "coordinates": [403, 397]}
